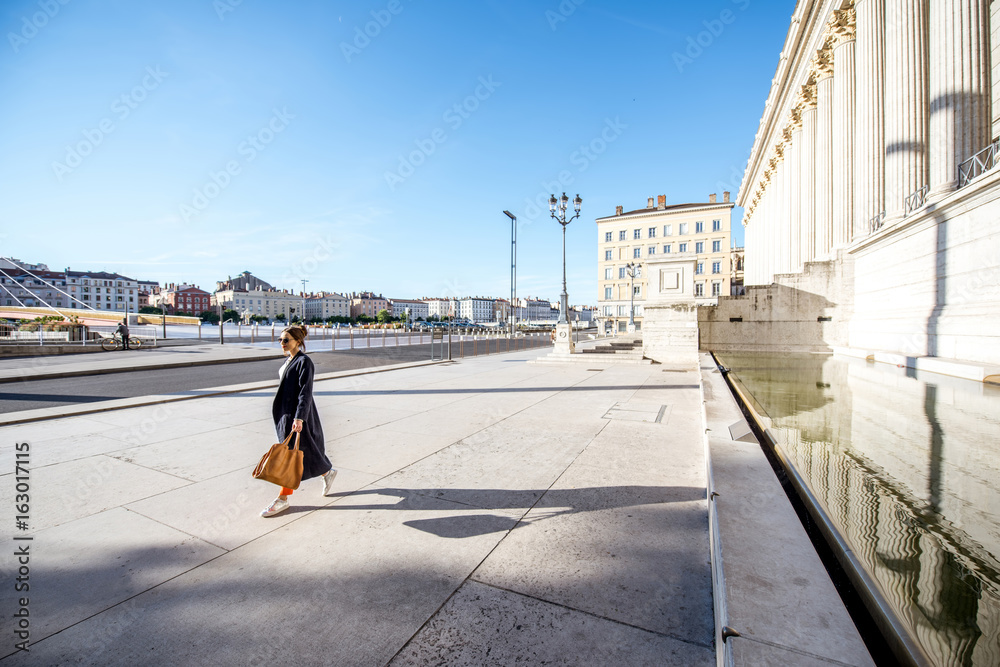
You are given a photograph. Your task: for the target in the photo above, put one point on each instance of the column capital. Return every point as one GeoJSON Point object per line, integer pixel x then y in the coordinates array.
{"type": "Point", "coordinates": [807, 96]}
{"type": "Point", "coordinates": [821, 65]}
{"type": "Point", "coordinates": [794, 121]}
{"type": "Point", "coordinates": [841, 27]}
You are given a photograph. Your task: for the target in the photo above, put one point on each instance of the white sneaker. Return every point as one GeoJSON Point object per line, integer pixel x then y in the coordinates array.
{"type": "Point", "coordinates": [328, 482]}
{"type": "Point", "coordinates": [277, 507]}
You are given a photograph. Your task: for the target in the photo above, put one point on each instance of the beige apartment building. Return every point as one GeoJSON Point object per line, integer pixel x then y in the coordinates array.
{"type": "Point", "coordinates": [702, 230]}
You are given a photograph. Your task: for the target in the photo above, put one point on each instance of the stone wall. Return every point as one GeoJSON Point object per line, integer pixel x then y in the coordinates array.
{"type": "Point", "coordinates": [930, 284]}
{"type": "Point", "coordinates": [804, 312]}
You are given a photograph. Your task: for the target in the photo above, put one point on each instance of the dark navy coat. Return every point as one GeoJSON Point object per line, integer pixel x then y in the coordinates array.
{"type": "Point", "coordinates": [294, 400]}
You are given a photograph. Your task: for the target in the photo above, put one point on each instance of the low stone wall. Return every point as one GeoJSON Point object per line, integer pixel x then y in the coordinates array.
{"type": "Point", "coordinates": [807, 312]}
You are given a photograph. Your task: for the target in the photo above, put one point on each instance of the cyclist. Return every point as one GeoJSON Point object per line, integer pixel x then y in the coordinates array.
{"type": "Point", "coordinates": [123, 330]}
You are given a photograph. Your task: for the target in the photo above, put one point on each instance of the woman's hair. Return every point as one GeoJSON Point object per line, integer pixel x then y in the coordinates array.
{"type": "Point", "coordinates": [298, 332]}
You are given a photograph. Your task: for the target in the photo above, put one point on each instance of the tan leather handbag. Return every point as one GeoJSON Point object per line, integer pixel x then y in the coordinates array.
{"type": "Point", "coordinates": [281, 465]}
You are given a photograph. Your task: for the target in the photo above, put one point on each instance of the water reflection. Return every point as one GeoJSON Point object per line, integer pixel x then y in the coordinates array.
{"type": "Point", "coordinates": [906, 465]}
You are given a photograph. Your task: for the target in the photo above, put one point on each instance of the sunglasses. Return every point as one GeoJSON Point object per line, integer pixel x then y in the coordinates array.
{"type": "Point", "coordinates": [285, 339]}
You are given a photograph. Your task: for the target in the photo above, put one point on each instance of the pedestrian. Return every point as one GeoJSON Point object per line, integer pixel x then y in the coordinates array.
{"type": "Point", "coordinates": [123, 331]}
{"type": "Point", "coordinates": [294, 411]}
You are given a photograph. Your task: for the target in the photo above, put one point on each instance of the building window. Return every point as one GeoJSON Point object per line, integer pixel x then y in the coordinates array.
{"type": "Point", "coordinates": [636, 290]}
{"type": "Point", "coordinates": [700, 269]}
{"type": "Point", "coordinates": [716, 246]}
{"type": "Point", "coordinates": [699, 289]}
{"type": "Point", "coordinates": [607, 236]}
{"type": "Point", "coordinates": [683, 247]}
{"type": "Point", "coordinates": [667, 230]}
{"type": "Point", "coordinates": [607, 292]}
{"type": "Point", "coordinates": [652, 250]}
{"type": "Point", "coordinates": [622, 310]}
{"type": "Point", "coordinates": [716, 267]}
{"type": "Point", "coordinates": [652, 232]}
{"type": "Point", "coordinates": [699, 247]}
{"type": "Point", "coordinates": [621, 235]}
{"type": "Point", "coordinates": [636, 233]}
{"type": "Point", "coordinates": [716, 289]}
{"type": "Point", "coordinates": [717, 225]}
{"type": "Point", "coordinates": [608, 273]}
{"type": "Point", "coordinates": [621, 272]}
{"type": "Point", "coordinates": [699, 227]}
{"type": "Point", "coordinates": [637, 253]}
{"type": "Point", "coordinates": [666, 248]}
{"type": "Point", "coordinates": [607, 254]}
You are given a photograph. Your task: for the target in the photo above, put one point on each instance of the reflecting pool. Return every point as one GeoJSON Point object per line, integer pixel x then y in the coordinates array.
{"type": "Point", "coordinates": [907, 466]}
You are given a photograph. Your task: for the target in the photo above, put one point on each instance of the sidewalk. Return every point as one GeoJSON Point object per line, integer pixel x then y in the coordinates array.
{"type": "Point", "coordinates": [488, 512]}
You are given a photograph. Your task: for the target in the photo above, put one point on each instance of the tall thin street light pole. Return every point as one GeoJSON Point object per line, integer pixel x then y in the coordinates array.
{"type": "Point", "coordinates": [513, 270]}
{"type": "Point", "coordinates": [560, 206]}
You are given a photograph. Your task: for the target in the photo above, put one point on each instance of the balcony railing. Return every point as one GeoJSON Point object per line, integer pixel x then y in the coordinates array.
{"type": "Point", "coordinates": [876, 223]}
{"type": "Point", "coordinates": [915, 200]}
{"type": "Point", "coordinates": [978, 164]}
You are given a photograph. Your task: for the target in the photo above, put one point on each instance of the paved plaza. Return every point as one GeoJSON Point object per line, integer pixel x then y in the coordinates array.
{"type": "Point", "coordinates": [488, 512]}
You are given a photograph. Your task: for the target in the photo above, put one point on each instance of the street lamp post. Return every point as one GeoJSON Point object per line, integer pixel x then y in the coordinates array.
{"type": "Point", "coordinates": [632, 269]}
{"type": "Point", "coordinates": [513, 268]}
{"type": "Point", "coordinates": [560, 206]}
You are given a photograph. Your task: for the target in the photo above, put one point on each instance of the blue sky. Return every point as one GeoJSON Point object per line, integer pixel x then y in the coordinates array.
{"type": "Point", "coordinates": [368, 145]}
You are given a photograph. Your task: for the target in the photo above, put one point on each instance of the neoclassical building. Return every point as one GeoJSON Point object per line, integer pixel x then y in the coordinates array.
{"type": "Point", "coordinates": [871, 181]}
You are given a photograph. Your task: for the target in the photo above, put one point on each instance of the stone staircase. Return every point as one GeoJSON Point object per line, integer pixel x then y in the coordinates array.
{"type": "Point", "coordinates": [619, 350]}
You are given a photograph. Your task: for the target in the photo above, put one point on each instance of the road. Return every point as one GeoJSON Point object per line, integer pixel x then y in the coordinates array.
{"type": "Point", "coordinates": [34, 394]}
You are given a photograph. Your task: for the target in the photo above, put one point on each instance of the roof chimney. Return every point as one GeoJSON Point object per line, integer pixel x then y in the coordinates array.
{"type": "Point", "coordinates": [661, 202]}
{"type": "Point", "coordinates": [649, 203]}
{"type": "Point", "coordinates": [725, 196]}
{"type": "Point", "coordinates": [711, 198]}
{"type": "Point", "coordinates": [618, 210]}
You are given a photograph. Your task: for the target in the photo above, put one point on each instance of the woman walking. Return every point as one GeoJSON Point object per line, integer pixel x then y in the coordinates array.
{"type": "Point", "coordinates": [295, 412]}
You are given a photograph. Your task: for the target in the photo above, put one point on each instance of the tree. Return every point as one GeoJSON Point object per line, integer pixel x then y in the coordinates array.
{"type": "Point", "coordinates": [280, 317]}
{"type": "Point", "coordinates": [230, 314]}
{"type": "Point", "coordinates": [209, 316]}
{"type": "Point", "coordinates": [150, 310]}
{"type": "Point", "coordinates": [364, 319]}
{"type": "Point", "coordinates": [384, 316]}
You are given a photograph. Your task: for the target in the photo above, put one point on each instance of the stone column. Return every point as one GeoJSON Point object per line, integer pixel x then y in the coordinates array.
{"type": "Point", "coordinates": [778, 215]}
{"type": "Point", "coordinates": [842, 26]}
{"type": "Point", "coordinates": [995, 79]}
{"type": "Point", "coordinates": [824, 152]}
{"type": "Point", "coordinates": [959, 87]}
{"type": "Point", "coordinates": [794, 186]}
{"type": "Point", "coordinates": [906, 102]}
{"type": "Point", "coordinates": [807, 175]}
{"type": "Point", "coordinates": [869, 114]}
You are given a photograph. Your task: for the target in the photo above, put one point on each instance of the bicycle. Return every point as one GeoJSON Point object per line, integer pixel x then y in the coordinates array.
{"type": "Point", "coordinates": [114, 342]}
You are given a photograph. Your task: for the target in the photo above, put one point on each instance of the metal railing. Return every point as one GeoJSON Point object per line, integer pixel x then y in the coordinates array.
{"type": "Point", "coordinates": [978, 164]}
{"type": "Point", "coordinates": [32, 334]}
{"type": "Point", "coordinates": [915, 200]}
{"type": "Point", "coordinates": [876, 222]}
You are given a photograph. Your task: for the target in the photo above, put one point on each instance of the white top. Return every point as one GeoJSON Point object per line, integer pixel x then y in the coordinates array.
{"type": "Point", "coordinates": [284, 367]}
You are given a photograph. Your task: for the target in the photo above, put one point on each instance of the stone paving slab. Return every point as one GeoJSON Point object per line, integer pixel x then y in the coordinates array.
{"type": "Point", "coordinates": [507, 517]}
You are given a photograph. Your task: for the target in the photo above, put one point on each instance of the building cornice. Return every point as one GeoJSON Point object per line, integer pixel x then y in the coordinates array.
{"type": "Point", "coordinates": [652, 212]}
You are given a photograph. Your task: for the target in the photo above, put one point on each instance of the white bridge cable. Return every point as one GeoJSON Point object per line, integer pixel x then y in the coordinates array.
{"type": "Point", "coordinates": [47, 304]}
{"type": "Point", "coordinates": [87, 305]}
{"type": "Point", "coordinates": [13, 295]}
